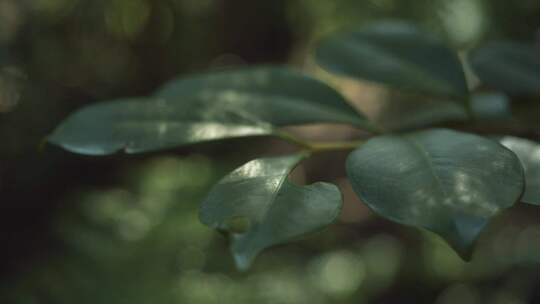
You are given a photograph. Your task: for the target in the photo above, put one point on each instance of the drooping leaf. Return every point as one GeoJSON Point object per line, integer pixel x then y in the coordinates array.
{"type": "Point", "coordinates": [259, 207]}
{"type": "Point", "coordinates": [410, 112]}
{"type": "Point", "coordinates": [277, 95]}
{"type": "Point", "coordinates": [249, 102]}
{"type": "Point", "coordinates": [529, 154]}
{"type": "Point", "coordinates": [145, 124]}
{"type": "Point", "coordinates": [508, 66]}
{"type": "Point", "coordinates": [448, 182]}
{"type": "Point", "coordinates": [397, 54]}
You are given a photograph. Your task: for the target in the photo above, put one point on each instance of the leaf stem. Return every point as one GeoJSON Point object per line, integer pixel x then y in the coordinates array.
{"type": "Point", "coordinates": [335, 146]}
{"type": "Point", "coordinates": [316, 147]}
{"type": "Point", "coordinates": [469, 108]}
{"type": "Point", "coordinates": [373, 128]}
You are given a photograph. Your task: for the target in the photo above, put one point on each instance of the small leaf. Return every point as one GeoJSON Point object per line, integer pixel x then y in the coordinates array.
{"type": "Point", "coordinates": [448, 182]}
{"type": "Point", "coordinates": [410, 112]}
{"type": "Point", "coordinates": [510, 67]}
{"type": "Point", "coordinates": [491, 106]}
{"type": "Point", "coordinates": [529, 154]}
{"type": "Point", "coordinates": [260, 208]}
{"type": "Point", "coordinates": [143, 124]}
{"type": "Point", "coordinates": [276, 95]}
{"type": "Point", "coordinates": [397, 54]}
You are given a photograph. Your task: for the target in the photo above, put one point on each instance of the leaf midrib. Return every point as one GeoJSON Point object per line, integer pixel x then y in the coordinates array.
{"type": "Point", "coordinates": [427, 159]}
{"type": "Point", "coordinates": [440, 82]}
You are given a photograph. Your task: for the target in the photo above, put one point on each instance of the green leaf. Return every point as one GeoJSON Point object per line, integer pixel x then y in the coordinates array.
{"type": "Point", "coordinates": [448, 182]}
{"type": "Point", "coordinates": [491, 106]}
{"type": "Point", "coordinates": [529, 154]}
{"type": "Point", "coordinates": [259, 208]}
{"type": "Point", "coordinates": [397, 54]}
{"type": "Point", "coordinates": [276, 95]}
{"type": "Point", "coordinates": [144, 124]}
{"type": "Point", "coordinates": [411, 112]}
{"type": "Point", "coordinates": [249, 102]}
{"type": "Point", "coordinates": [510, 67]}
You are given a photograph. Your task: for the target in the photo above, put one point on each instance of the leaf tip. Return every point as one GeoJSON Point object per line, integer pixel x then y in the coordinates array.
{"type": "Point", "coordinates": [243, 256]}
{"type": "Point", "coordinates": [464, 234]}
{"type": "Point", "coordinates": [243, 262]}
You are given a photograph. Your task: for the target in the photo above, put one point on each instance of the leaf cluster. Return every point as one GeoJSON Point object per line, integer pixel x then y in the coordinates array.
{"type": "Point", "coordinates": [407, 168]}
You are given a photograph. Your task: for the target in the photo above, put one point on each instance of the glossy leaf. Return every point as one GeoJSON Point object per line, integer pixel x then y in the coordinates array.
{"type": "Point", "coordinates": [410, 112]}
{"type": "Point", "coordinates": [529, 154]}
{"type": "Point", "coordinates": [249, 102]}
{"type": "Point", "coordinates": [144, 124]}
{"type": "Point", "coordinates": [397, 54]}
{"type": "Point", "coordinates": [510, 67]}
{"type": "Point", "coordinates": [259, 208]}
{"type": "Point", "coordinates": [276, 95]}
{"type": "Point", "coordinates": [448, 182]}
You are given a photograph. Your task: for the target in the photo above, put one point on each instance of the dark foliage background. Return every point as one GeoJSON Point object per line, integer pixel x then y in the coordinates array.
{"type": "Point", "coordinates": [119, 229]}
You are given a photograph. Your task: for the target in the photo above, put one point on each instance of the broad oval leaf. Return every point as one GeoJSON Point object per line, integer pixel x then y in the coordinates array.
{"type": "Point", "coordinates": [448, 182]}
{"type": "Point", "coordinates": [146, 124]}
{"type": "Point", "coordinates": [259, 208]}
{"type": "Point", "coordinates": [510, 67]}
{"type": "Point", "coordinates": [276, 95]}
{"type": "Point", "coordinates": [397, 54]}
{"type": "Point", "coordinates": [529, 154]}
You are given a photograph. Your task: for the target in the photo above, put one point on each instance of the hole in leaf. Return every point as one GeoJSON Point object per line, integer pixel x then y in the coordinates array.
{"type": "Point", "coordinates": [238, 224]}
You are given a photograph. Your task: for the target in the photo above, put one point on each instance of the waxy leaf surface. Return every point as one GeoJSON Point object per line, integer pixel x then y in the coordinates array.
{"type": "Point", "coordinates": [145, 124]}
{"type": "Point", "coordinates": [397, 54]}
{"type": "Point", "coordinates": [529, 153]}
{"type": "Point", "coordinates": [508, 66]}
{"type": "Point", "coordinates": [259, 207]}
{"type": "Point", "coordinates": [222, 105]}
{"type": "Point", "coordinates": [448, 182]}
{"type": "Point", "coordinates": [276, 95]}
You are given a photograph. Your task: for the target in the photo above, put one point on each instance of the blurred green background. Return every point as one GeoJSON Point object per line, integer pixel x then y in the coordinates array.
{"type": "Point", "coordinates": [124, 229]}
